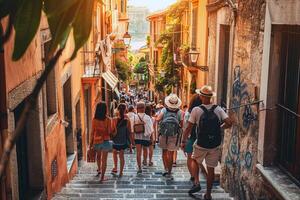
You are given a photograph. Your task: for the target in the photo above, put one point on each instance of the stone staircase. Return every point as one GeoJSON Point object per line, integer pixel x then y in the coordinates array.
{"type": "Point", "coordinates": [149, 185]}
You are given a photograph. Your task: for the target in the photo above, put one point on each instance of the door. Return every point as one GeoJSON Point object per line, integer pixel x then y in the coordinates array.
{"type": "Point", "coordinates": [223, 64]}
{"type": "Point", "coordinates": [290, 99]}
{"type": "Point", "coordinates": [30, 156]}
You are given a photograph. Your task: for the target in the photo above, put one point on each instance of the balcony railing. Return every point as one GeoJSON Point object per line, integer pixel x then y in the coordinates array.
{"type": "Point", "coordinates": [91, 63]}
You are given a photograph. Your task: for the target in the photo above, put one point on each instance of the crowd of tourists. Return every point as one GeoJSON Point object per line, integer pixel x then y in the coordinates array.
{"type": "Point", "coordinates": [196, 129]}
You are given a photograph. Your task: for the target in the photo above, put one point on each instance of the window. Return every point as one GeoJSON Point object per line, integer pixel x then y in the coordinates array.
{"type": "Point", "coordinates": [122, 6]}
{"type": "Point", "coordinates": [289, 144]}
{"type": "Point", "coordinates": [51, 81]}
{"type": "Point", "coordinates": [194, 27]}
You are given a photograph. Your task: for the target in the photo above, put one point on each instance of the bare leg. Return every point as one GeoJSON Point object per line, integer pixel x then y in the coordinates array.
{"type": "Point", "coordinates": [203, 170]}
{"type": "Point", "coordinates": [99, 161]}
{"type": "Point", "coordinates": [150, 153]}
{"type": "Point", "coordinates": [189, 163]}
{"type": "Point", "coordinates": [170, 161]}
{"type": "Point", "coordinates": [145, 154]}
{"type": "Point", "coordinates": [103, 164]}
{"type": "Point", "coordinates": [210, 180]}
{"type": "Point", "coordinates": [139, 155]}
{"type": "Point", "coordinates": [174, 157]}
{"type": "Point", "coordinates": [115, 158]}
{"type": "Point", "coordinates": [195, 169]}
{"type": "Point", "coordinates": [165, 159]}
{"type": "Point", "coordinates": [122, 162]}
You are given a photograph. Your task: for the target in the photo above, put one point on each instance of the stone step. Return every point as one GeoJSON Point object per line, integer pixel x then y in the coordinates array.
{"type": "Point", "coordinates": [215, 196]}
{"type": "Point", "coordinates": [149, 185]}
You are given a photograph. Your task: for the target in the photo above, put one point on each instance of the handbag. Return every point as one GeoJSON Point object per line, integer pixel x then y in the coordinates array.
{"type": "Point", "coordinates": [139, 128]}
{"type": "Point", "coordinates": [91, 155]}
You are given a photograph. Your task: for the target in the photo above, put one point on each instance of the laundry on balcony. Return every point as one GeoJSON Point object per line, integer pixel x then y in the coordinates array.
{"type": "Point", "coordinates": [111, 80]}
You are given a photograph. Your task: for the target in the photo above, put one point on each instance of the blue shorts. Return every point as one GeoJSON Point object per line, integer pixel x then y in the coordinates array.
{"type": "Point", "coordinates": [120, 147]}
{"type": "Point", "coordinates": [145, 143]}
{"type": "Point", "coordinates": [189, 146]}
{"type": "Point", "coordinates": [105, 146]}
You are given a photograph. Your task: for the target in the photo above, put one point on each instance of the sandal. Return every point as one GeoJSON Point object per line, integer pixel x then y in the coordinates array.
{"type": "Point", "coordinates": [144, 162]}
{"type": "Point", "coordinates": [205, 198]}
{"type": "Point", "coordinates": [114, 171]}
{"type": "Point", "coordinates": [98, 173]}
{"type": "Point", "coordinates": [150, 164]}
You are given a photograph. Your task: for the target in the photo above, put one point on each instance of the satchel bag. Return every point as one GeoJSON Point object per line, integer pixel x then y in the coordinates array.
{"type": "Point", "coordinates": [91, 155]}
{"type": "Point", "coordinates": [139, 128]}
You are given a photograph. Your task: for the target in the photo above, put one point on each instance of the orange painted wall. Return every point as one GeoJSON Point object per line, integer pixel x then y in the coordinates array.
{"type": "Point", "coordinates": [29, 65]}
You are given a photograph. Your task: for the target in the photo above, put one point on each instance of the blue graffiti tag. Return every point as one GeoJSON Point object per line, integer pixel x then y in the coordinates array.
{"type": "Point", "coordinates": [240, 95]}
{"type": "Point", "coordinates": [248, 160]}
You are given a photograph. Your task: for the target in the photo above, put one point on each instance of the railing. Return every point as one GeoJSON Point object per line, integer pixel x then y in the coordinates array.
{"type": "Point", "coordinates": [90, 63]}
{"type": "Point", "coordinates": [289, 130]}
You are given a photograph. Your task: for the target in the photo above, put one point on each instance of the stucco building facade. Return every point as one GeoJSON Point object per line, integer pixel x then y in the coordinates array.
{"type": "Point", "coordinates": [252, 53]}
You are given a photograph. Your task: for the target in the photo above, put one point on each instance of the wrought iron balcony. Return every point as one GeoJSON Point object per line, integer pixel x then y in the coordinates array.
{"type": "Point", "coordinates": [91, 63]}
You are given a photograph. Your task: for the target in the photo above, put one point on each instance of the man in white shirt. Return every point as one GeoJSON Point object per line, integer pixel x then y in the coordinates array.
{"type": "Point", "coordinates": [142, 127]}
{"type": "Point", "coordinates": [208, 138]}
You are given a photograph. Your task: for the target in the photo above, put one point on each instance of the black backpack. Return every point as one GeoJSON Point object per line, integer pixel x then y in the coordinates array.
{"type": "Point", "coordinates": [209, 129]}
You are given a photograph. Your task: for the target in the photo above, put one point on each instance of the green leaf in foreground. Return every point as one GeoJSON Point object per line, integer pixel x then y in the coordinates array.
{"type": "Point", "coordinates": [82, 25]}
{"type": "Point", "coordinates": [60, 24]}
{"type": "Point", "coordinates": [26, 24]}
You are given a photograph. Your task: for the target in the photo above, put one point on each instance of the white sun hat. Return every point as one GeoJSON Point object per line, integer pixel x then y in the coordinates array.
{"type": "Point", "coordinates": [206, 91]}
{"type": "Point", "coordinates": [172, 101]}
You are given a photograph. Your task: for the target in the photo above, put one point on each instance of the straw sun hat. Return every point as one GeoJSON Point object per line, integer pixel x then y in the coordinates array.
{"type": "Point", "coordinates": [205, 91]}
{"type": "Point", "coordinates": [172, 101]}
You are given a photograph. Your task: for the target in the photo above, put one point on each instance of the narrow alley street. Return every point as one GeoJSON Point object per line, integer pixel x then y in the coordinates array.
{"type": "Point", "coordinates": [149, 185]}
{"type": "Point", "coordinates": [217, 81]}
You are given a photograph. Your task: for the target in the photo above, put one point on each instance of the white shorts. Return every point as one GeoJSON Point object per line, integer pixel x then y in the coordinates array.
{"type": "Point", "coordinates": [211, 156]}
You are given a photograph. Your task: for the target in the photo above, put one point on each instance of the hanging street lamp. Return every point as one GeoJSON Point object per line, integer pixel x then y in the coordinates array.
{"type": "Point", "coordinates": [194, 55]}
{"type": "Point", "coordinates": [127, 39]}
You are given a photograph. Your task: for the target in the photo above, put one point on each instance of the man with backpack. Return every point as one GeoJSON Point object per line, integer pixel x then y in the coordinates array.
{"type": "Point", "coordinates": [170, 131]}
{"type": "Point", "coordinates": [210, 119]}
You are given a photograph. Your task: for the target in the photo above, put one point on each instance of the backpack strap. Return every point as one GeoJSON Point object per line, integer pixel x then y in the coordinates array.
{"type": "Point", "coordinates": [204, 109]}
{"type": "Point", "coordinates": [213, 108]}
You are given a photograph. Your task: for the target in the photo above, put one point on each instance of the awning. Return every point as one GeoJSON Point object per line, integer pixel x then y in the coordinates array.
{"type": "Point", "coordinates": [111, 80]}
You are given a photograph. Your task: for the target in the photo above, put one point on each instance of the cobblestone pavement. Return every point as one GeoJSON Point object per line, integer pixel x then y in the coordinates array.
{"type": "Point", "coordinates": [149, 185]}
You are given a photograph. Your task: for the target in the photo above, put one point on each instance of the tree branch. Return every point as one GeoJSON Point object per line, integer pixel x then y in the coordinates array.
{"type": "Point", "coordinates": [29, 105]}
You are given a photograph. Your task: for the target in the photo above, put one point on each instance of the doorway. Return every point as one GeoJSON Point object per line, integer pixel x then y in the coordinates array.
{"type": "Point", "coordinates": [78, 131]}
{"type": "Point", "coordinates": [68, 117]}
{"type": "Point", "coordinates": [288, 37]}
{"type": "Point", "coordinates": [224, 41]}
{"type": "Point", "coordinates": [29, 156]}
{"type": "Point", "coordinates": [87, 112]}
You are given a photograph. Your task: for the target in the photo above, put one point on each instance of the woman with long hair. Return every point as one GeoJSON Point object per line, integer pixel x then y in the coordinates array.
{"type": "Point", "coordinates": [100, 137]}
{"type": "Point", "coordinates": [121, 140]}
{"type": "Point", "coordinates": [149, 111]}
{"type": "Point", "coordinates": [195, 101]}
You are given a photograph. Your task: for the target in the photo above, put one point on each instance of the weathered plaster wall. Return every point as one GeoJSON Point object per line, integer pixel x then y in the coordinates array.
{"type": "Point", "coordinates": [23, 69]}
{"type": "Point", "coordinates": [239, 175]}
{"type": "Point", "coordinates": [55, 149]}
{"type": "Point", "coordinates": [212, 26]}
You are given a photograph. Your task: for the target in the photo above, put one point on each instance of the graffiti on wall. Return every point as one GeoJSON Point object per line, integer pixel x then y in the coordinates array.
{"type": "Point", "coordinates": [246, 117]}
{"type": "Point", "coordinates": [240, 95]}
{"type": "Point", "coordinates": [236, 158]}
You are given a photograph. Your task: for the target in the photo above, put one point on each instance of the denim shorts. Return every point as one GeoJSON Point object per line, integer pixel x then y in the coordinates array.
{"type": "Point", "coordinates": [145, 143]}
{"type": "Point", "coordinates": [119, 147]}
{"type": "Point", "coordinates": [105, 146]}
{"type": "Point", "coordinates": [189, 146]}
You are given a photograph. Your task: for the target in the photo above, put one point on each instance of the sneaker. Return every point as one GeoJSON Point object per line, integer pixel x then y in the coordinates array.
{"type": "Point", "coordinates": [165, 173]}
{"type": "Point", "coordinates": [139, 171]}
{"type": "Point", "coordinates": [195, 188]}
{"type": "Point", "coordinates": [169, 176]}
